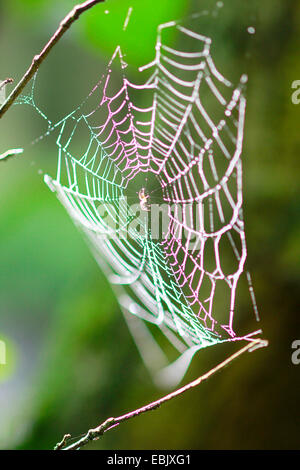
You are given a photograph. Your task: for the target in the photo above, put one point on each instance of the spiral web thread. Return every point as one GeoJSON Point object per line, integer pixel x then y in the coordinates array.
{"type": "Point", "coordinates": [170, 283]}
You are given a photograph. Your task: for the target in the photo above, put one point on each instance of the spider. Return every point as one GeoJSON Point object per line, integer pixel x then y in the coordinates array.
{"type": "Point", "coordinates": [143, 200]}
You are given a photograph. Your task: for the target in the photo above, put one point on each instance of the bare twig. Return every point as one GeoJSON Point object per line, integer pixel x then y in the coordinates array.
{"type": "Point", "coordinates": [62, 443]}
{"type": "Point", "coordinates": [5, 82]}
{"type": "Point", "coordinates": [94, 434]}
{"type": "Point", "coordinates": [39, 58]}
{"type": "Point", "coordinates": [10, 153]}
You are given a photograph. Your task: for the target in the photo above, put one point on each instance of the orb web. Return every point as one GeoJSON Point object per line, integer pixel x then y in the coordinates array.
{"type": "Point", "coordinates": [174, 139]}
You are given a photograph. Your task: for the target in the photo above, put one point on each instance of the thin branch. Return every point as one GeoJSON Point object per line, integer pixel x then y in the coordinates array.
{"type": "Point", "coordinates": [39, 58]}
{"type": "Point", "coordinates": [60, 445]}
{"type": "Point", "coordinates": [94, 434]}
{"type": "Point", "coordinates": [5, 82]}
{"type": "Point", "coordinates": [10, 153]}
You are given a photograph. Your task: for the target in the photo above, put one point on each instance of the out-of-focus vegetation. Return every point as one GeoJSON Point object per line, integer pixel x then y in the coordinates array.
{"type": "Point", "coordinates": [71, 362]}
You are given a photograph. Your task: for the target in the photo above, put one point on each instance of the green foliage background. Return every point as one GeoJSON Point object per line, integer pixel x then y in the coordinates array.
{"type": "Point", "coordinates": [71, 360]}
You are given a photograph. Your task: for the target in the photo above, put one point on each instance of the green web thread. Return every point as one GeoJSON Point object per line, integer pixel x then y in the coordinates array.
{"type": "Point", "coordinates": [194, 161]}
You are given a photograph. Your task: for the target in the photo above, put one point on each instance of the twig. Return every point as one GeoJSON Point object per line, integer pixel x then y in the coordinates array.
{"type": "Point", "coordinates": [62, 443]}
{"type": "Point", "coordinates": [39, 58]}
{"type": "Point", "coordinates": [10, 153]}
{"type": "Point", "coordinates": [5, 82]}
{"type": "Point", "coordinates": [94, 434]}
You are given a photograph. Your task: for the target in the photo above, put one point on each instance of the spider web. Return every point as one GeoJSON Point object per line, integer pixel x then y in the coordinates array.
{"type": "Point", "coordinates": [177, 290]}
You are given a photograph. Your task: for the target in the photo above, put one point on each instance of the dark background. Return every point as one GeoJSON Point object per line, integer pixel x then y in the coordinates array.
{"type": "Point", "coordinates": [71, 360]}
